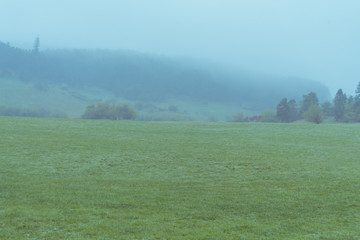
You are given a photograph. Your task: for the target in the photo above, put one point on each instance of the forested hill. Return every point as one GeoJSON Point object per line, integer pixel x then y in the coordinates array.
{"type": "Point", "coordinates": [144, 77]}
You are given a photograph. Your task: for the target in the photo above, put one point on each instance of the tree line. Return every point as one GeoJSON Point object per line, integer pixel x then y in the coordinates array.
{"type": "Point", "coordinates": [342, 108]}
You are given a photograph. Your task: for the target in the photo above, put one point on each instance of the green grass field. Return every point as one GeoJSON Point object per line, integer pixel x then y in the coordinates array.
{"type": "Point", "coordinates": [88, 179]}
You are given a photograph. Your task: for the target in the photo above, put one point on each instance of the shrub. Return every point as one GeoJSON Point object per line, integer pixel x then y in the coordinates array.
{"type": "Point", "coordinates": [314, 114]}
{"type": "Point", "coordinates": [269, 116]}
{"type": "Point", "coordinates": [237, 117]}
{"type": "Point", "coordinates": [103, 110]}
{"type": "Point", "coordinates": [255, 118]}
{"type": "Point", "coordinates": [123, 112]}
{"type": "Point", "coordinates": [350, 117]}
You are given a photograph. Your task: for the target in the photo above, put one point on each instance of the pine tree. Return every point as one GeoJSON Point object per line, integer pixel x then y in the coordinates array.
{"type": "Point", "coordinates": [286, 110]}
{"type": "Point", "coordinates": [327, 109]}
{"type": "Point", "coordinates": [339, 105]}
{"type": "Point", "coordinates": [293, 115]}
{"type": "Point", "coordinates": [36, 45]}
{"type": "Point", "coordinates": [357, 91]}
{"type": "Point", "coordinates": [308, 100]}
{"type": "Point", "coordinates": [356, 105]}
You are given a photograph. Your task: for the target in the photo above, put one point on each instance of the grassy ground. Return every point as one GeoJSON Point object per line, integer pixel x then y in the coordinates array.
{"type": "Point", "coordinates": [79, 179]}
{"type": "Point", "coordinates": [28, 95]}
{"type": "Point", "coordinates": [73, 101]}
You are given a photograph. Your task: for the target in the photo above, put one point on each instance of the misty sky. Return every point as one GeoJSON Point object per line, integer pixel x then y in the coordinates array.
{"type": "Point", "coordinates": [315, 39]}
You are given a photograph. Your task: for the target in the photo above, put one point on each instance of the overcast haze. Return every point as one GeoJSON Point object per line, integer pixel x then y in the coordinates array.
{"type": "Point", "coordinates": [318, 40]}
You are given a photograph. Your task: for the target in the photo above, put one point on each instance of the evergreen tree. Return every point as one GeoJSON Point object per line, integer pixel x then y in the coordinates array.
{"type": "Point", "coordinates": [356, 105]}
{"type": "Point", "coordinates": [339, 105]}
{"type": "Point", "coordinates": [282, 110]}
{"type": "Point", "coordinates": [36, 45]}
{"type": "Point", "coordinates": [327, 109]}
{"type": "Point", "coordinates": [286, 111]}
{"type": "Point", "coordinates": [308, 100]}
{"type": "Point", "coordinates": [349, 106]}
{"type": "Point", "coordinates": [349, 114]}
{"type": "Point", "coordinates": [357, 91]}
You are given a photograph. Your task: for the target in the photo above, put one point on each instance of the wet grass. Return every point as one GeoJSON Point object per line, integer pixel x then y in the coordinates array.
{"type": "Point", "coordinates": [79, 179]}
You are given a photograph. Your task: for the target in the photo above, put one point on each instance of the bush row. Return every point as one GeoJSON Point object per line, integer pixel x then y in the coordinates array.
{"type": "Point", "coordinates": [103, 110]}
{"type": "Point", "coordinates": [24, 112]}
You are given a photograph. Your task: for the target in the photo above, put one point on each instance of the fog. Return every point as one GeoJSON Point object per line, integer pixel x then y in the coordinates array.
{"type": "Point", "coordinates": [316, 40]}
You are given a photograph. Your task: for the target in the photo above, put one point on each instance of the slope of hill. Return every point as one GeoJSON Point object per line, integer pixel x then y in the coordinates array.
{"type": "Point", "coordinates": [69, 77]}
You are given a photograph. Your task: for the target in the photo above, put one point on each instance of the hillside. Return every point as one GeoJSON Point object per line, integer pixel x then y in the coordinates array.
{"type": "Point", "coordinates": [87, 76]}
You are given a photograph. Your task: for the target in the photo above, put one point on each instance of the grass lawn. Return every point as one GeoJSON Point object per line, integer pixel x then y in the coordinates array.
{"type": "Point", "coordinates": [89, 179]}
